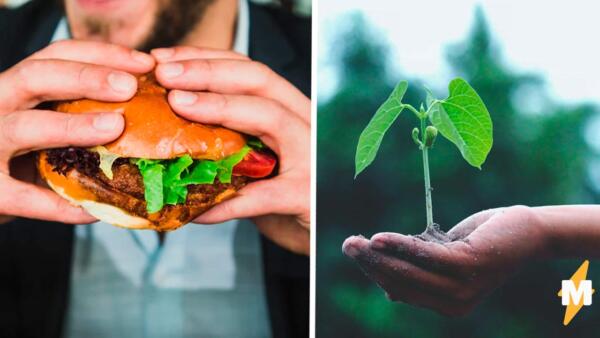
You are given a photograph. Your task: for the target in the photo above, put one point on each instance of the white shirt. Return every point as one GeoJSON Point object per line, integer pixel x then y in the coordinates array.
{"type": "Point", "coordinates": [206, 281]}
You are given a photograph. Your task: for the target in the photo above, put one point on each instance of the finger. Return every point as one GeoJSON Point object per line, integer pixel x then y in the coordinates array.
{"type": "Point", "coordinates": [446, 258]}
{"type": "Point", "coordinates": [181, 53]}
{"type": "Point", "coordinates": [396, 284]}
{"type": "Point", "coordinates": [34, 81]}
{"type": "Point", "coordinates": [469, 224]}
{"type": "Point", "coordinates": [27, 200]}
{"type": "Point", "coordinates": [285, 232]}
{"type": "Point", "coordinates": [21, 132]}
{"type": "Point", "coordinates": [260, 117]}
{"type": "Point", "coordinates": [100, 53]}
{"type": "Point", "coordinates": [260, 198]}
{"type": "Point", "coordinates": [400, 268]}
{"type": "Point", "coordinates": [233, 77]}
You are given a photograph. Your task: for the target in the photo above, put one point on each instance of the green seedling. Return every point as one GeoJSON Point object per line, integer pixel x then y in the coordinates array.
{"type": "Point", "coordinates": [461, 118]}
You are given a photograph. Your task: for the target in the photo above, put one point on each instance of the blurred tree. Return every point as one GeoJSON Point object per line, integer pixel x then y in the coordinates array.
{"type": "Point", "coordinates": [537, 158]}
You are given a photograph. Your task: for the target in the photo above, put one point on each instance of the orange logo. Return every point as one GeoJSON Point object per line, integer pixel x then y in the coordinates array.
{"type": "Point", "coordinates": [576, 292]}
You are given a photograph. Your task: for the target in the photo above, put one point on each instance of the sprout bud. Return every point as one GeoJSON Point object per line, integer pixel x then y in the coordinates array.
{"type": "Point", "coordinates": [430, 135]}
{"type": "Point", "coordinates": [415, 137]}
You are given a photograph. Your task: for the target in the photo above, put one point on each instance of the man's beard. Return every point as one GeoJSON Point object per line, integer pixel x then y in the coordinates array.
{"type": "Point", "coordinates": [174, 20]}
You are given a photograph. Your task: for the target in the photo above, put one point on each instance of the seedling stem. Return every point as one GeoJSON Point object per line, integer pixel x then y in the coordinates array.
{"type": "Point", "coordinates": [428, 189]}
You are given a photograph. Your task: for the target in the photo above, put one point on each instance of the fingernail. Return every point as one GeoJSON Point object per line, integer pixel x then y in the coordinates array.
{"type": "Point", "coordinates": [163, 53]}
{"type": "Point", "coordinates": [170, 70]}
{"type": "Point", "coordinates": [107, 121]}
{"type": "Point", "coordinates": [184, 98]}
{"type": "Point", "coordinates": [121, 82]}
{"type": "Point", "coordinates": [142, 58]}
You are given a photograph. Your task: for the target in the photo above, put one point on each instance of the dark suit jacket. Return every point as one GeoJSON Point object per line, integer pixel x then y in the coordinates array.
{"type": "Point", "coordinates": [35, 256]}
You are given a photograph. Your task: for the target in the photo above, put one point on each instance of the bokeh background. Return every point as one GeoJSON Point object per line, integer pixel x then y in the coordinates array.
{"type": "Point", "coordinates": [536, 67]}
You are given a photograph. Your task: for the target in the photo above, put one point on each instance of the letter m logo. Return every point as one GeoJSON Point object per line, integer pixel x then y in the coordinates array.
{"type": "Point", "coordinates": [572, 295]}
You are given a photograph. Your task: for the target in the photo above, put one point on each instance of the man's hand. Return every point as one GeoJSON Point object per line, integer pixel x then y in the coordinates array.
{"type": "Point", "coordinates": [452, 277]}
{"type": "Point", "coordinates": [226, 88]}
{"type": "Point", "coordinates": [64, 70]}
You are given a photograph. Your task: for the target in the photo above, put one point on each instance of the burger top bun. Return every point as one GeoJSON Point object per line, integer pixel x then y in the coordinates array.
{"type": "Point", "coordinates": [154, 131]}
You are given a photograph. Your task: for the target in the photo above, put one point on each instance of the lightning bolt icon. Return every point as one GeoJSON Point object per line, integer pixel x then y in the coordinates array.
{"type": "Point", "coordinates": [577, 277]}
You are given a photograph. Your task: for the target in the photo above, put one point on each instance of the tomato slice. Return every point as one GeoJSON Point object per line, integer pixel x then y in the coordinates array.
{"type": "Point", "coordinates": [256, 164]}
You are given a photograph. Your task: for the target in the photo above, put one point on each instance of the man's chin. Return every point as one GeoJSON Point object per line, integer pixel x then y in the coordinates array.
{"type": "Point", "coordinates": [110, 17]}
{"type": "Point", "coordinates": [140, 24]}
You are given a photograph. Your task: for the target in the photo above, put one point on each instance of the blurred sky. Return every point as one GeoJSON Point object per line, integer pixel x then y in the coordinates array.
{"type": "Point", "coordinates": [557, 39]}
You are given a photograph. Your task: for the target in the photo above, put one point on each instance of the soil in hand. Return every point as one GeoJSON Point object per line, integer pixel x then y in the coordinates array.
{"type": "Point", "coordinates": [433, 233]}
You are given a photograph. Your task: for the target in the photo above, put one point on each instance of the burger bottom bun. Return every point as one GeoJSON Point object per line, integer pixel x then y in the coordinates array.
{"type": "Point", "coordinates": [106, 212]}
{"type": "Point", "coordinates": [121, 209]}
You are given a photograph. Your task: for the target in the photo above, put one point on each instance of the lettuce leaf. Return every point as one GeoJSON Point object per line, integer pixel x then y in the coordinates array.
{"type": "Point", "coordinates": [203, 172]}
{"type": "Point", "coordinates": [255, 143]}
{"type": "Point", "coordinates": [176, 168]}
{"type": "Point", "coordinates": [166, 181]}
{"type": "Point", "coordinates": [173, 192]}
{"type": "Point", "coordinates": [225, 166]}
{"type": "Point", "coordinates": [152, 173]}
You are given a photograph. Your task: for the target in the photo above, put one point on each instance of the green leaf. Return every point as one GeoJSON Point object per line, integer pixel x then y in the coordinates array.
{"type": "Point", "coordinates": [464, 120]}
{"type": "Point", "coordinates": [255, 143]}
{"type": "Point", "coordinates": [429, 99]}
{"type": "Point", "coordinates": [225, 166]}
{"type": "Point", "coordinates": [371, 137]}
{"type": "Point", "coordinates": [152, 174]}
{"type": "Point", "coordinates": [204, 172]}
{"type": "Point", "coordinates": [176, 168]}
{"type": "Point", "coordinates": [175, 194]}
{"type": "Point", "coordinates": [143, 163]}
{"type": "Point", "coordinates": [166, 181]}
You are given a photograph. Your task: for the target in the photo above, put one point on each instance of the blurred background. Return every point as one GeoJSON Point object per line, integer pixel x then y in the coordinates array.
{"type": "Point", "coordinates": [535, 64]}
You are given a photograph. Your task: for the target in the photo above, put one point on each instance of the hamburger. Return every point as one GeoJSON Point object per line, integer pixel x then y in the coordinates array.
{"type": "Point", "coordinates": [162, 172]}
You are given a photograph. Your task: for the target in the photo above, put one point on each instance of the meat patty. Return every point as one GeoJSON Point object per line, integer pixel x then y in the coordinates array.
{"type": "Point", "coordinates": [126, 178]}
{"type": "Point", "coordinates": [126, 189]}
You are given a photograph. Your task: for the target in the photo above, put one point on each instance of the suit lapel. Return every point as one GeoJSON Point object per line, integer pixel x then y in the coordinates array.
{"type": "Point", "coordinates": [268, 44]}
